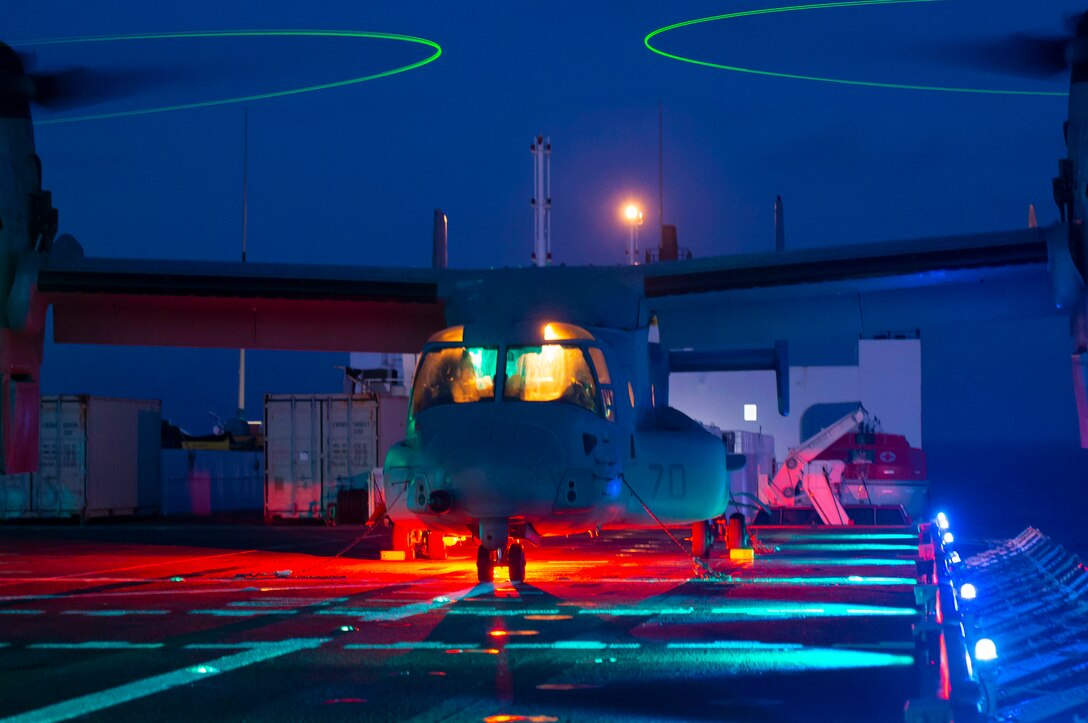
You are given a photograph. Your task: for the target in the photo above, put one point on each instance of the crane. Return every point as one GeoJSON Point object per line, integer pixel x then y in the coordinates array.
{"type": "Point", "coordinates": [795, 477]}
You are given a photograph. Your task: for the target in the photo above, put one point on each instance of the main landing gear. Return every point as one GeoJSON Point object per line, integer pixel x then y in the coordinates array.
{"type": "Point", "coordinates": [513, 558]}
{"type": "Point", "coordinates": [705, 532]}
{"type": "Point", "coordinates": [702, 536]}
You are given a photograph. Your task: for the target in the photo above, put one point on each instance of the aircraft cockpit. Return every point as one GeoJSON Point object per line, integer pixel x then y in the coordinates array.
{"type": "Point", "coordinates": [568, 367]}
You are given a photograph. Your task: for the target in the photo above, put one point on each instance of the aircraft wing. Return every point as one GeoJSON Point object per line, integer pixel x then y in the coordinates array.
{"type": "Point", "coordinates": [255, 306]}
{"type": "Point", "coordinates": [865, 290]}
{"type": "Point", "coordinates": [719, 302]}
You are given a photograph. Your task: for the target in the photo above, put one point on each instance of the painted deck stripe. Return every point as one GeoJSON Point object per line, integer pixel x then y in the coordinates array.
{"type": "Point", "coordinates": [90, 576]}
{"type": "Point", "coordinates": [573, 645]}
{"type": "Point", "coordinates": [421, 645]}
{"type": "Point", "coordinates": [734, 645]}
{"type": "Point", "coordinates": [362, 586]}
{"type": "Point", "coordinates": [636, 611]}
{"type": "Point", "coordinates": [407, 610]}
{"type": "Point", "coordinates": [114, 613]}
{"type": "Point", "coordinates": [237, 613]}
{"type": "Point", "coordinates": [96, 645]}
{"type": "Point", "coordinates": [87, 704]}
{"type": "Point", "coordinates": [252, 645]}
{"type": "Point", "coordinates": [505, 612]}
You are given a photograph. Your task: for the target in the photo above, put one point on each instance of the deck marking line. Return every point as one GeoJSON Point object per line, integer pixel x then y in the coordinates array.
{"type": "Point", "coordinates": [243, 613]}
{"type": "Point", "coordinates": [734, 645]}
{"type": "Point", "coordinates": [637, 611]}
{"type": "Point", "coordinates": [420, 608]}
{"type": "Point", "coordinates": [573, 645]}
{"type": "Point", "coordinates": [87, 704]}
{"type": "Point", "coordinates": [113, 613]}
{"type": "Point", "coordinates": [251, 645]}
{"type": "Point", "coordinates": [421, 645]}
{"type": "Point", "coordinates": [81, 576]}
{"type": "Point", "coordinates": [362, 586]}
{"type": "Point", "coordinates": [96, 645]}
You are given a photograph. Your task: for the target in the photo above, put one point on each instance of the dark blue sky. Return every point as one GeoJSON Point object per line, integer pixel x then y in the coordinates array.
{"type": "Point", "coordinates": [352, 175]}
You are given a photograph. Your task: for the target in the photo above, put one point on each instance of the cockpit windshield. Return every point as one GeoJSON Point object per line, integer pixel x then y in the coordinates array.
{"type": "Point", "coordinates": [550, 373]}
{"type": "Point", "coordinates": [455, 375]}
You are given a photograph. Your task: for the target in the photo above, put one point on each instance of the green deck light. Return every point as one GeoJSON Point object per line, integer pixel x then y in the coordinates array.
{"type": "Point", "coordinates": [203, 669]}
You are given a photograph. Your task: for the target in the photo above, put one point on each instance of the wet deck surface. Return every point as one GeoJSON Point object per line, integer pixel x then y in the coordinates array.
{"type": "Point", "coordinates": [190, 623]}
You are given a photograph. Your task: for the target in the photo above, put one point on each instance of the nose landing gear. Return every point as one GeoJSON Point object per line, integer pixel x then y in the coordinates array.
{"type": "Point", "coordinates": [516, 562]}
{"type": "Point", "coordinates": [512, 558]}
{"type": "Point", "coordinates": [485, 570]}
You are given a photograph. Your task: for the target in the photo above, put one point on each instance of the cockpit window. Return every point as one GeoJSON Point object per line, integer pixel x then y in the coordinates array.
{"type": "Point", "coordinates": [455, 375]}
{"type": "Point", "coordinates": [550, 373]}
{"type": "Point", "coordinates": [598, 363]}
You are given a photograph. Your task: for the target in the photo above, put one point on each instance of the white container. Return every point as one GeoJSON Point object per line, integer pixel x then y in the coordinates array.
{"type": "Point", "coordinates": [318, 445]}
{"type": "Point", "coordinates": [750, 457]}
{"type": "Point", "coordinates": [98, 456]}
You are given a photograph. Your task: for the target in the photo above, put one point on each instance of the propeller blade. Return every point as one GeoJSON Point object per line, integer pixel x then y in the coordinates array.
{"type": "Point", "coordinates": [79, 86]}
{"type": "Point", "coordinates": [1020, 54]}
{"type": "Point", "coordinates": [75, 86]}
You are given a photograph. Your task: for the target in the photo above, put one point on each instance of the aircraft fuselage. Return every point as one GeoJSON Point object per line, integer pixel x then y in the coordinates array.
{"type": "Point", "coordinates": [560, 430]}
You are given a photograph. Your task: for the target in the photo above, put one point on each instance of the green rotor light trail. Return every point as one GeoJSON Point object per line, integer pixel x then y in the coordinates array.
{"type": "Point", "coordinates": [839, 81]}
{"type": "Point", "coordinates": [435, 47]}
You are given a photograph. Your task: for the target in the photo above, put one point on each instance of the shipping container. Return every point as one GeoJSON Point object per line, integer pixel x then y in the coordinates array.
{"type": "Point", "coordinates": [203, 482]}
{"type": "Point", "coordinates": [320, 450]}
{"type": "Point", "coordinates": [98, 456]}
{"type": "Point", "coordinates": [749, 458]}
{"type": "Point", "coordinates": [15, 498]}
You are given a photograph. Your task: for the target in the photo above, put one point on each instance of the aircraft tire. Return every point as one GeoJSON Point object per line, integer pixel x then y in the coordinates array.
{"type": "Point", "coordinates": [700, 539]}
{"type": "Point", "coordinates": [436, 548]}
{"type": "Point", "coordinates": [516, 561]}
{"type": "Point", "coordinates": [485, 571]}
{"type": "Point", "coordinates": [735, 534]}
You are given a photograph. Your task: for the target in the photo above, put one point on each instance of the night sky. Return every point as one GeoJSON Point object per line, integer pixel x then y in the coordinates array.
{"type": "Point", "coordinates": [353, 175]}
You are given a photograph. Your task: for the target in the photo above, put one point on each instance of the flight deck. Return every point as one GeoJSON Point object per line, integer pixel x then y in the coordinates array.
{"type": "Point", "coordinates": [292, 622]}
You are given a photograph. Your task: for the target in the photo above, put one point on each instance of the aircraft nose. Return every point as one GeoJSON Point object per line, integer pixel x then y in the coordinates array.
{"type": "Point", "coordinates": [518, 445]}
{"type": "Point", "coordinates": [492, 469]}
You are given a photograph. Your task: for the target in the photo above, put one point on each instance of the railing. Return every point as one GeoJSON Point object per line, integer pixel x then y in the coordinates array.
{"type": "Point", "coordinates": [653, 256]}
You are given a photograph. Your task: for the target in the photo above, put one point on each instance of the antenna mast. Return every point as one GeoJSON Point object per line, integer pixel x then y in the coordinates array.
{"type": "Point", "coordinates": [245, 219]}
{"type": "Point", "coordinates": [541, 202]}
{"type": "Point", "coordinates": [660, 169]}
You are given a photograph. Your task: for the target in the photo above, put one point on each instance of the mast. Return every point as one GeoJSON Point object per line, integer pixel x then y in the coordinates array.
{"type": "Point", "coordinates": [245, 223]}
{"type": "Point", "coordinates": [541, 202]}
